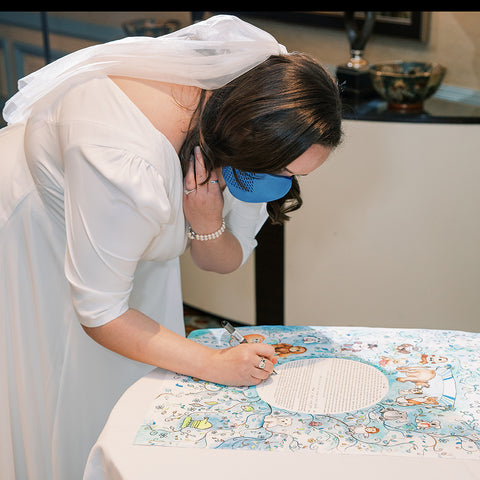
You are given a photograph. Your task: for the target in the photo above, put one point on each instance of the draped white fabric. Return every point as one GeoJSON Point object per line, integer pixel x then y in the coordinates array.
{"type": "Point", "coordinates": [76, 140]}
{"type": "Point", "coordinates": [207, 54]}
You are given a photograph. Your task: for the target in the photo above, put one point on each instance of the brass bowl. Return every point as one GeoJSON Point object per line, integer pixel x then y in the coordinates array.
{"type": "Point", "coordinates": [406, 85]}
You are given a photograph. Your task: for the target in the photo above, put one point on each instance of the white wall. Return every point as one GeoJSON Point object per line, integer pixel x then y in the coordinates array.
{"type": "Point", "coordinates": [389, 234]}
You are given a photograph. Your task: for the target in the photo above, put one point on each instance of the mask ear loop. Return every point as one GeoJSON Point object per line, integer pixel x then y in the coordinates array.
{"type": "Point", "coordinates": [238, 180]}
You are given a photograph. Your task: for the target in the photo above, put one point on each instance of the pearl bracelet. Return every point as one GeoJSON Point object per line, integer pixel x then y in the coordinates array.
{"type": "Point", "coordinates": [210, 236]}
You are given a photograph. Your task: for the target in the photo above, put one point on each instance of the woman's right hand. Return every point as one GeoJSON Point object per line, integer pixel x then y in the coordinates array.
{"type": "Point", "coordinates": [136, 336]}
{"type": "Point", "coordinates": [240, 365]}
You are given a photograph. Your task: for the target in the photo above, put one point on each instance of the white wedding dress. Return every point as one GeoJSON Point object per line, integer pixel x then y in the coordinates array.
{"type": "Point", "coordinates": [91, 223]}
{"type": "Point", "coordinates": [89, 189]}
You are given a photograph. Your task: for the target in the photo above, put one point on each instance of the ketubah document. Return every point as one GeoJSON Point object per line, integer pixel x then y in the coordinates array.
{"type": "Point", "coordinates": [338, 389]}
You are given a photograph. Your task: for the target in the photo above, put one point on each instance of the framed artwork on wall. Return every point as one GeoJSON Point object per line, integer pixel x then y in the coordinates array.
{"type": "Point", "coordinates": [413, 25]}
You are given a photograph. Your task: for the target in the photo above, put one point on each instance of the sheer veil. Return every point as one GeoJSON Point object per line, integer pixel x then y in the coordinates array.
{"type": "Point", "coordinates": [207, 54]}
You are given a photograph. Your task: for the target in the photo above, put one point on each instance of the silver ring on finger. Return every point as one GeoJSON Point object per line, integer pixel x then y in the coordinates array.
{"type": "Point", "coordinates": [188, 192]}
{"type": "Point", "coordinates": [261, 365]}
{"type": "Point", "coordinates": [213, 181]}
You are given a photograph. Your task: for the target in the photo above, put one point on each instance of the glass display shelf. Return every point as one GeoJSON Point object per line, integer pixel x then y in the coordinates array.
{"type": "Point", "coordinates": [435, 110]}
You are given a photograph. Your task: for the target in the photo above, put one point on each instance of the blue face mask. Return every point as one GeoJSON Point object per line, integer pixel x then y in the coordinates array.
{"type": "Point", "coordinates": [256, 187]}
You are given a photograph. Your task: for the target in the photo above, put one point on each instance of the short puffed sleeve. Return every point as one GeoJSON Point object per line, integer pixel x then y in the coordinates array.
{"type": "Point", "coordinates": [115, 204]}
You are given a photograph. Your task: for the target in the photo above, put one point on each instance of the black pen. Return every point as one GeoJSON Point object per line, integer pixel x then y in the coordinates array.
{"type": "Point", "coordinates": [236, 334]}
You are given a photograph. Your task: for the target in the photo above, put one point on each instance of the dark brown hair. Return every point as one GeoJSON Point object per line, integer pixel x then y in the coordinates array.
{"type": "Point", "coordinates": [265, 119]}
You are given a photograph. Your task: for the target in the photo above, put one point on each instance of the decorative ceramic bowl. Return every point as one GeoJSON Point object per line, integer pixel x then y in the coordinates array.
{"type": "Point", "coordinates": [406, 85]}
{"type": "Point", "coordinates": [149, 27]}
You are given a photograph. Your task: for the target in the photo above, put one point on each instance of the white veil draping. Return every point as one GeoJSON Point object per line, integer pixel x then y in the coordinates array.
{"type": "Point", "coordinates": [207, 54]}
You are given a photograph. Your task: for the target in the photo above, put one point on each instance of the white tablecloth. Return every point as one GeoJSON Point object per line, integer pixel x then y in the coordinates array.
{"type": "Point", "coordinates": [116, 456]}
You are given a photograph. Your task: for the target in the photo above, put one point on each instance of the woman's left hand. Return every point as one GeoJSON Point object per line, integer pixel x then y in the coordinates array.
{"type": "Point", "coordinates": [203, 208]}
{"type": "Point", "coordinates": [202, 203]}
